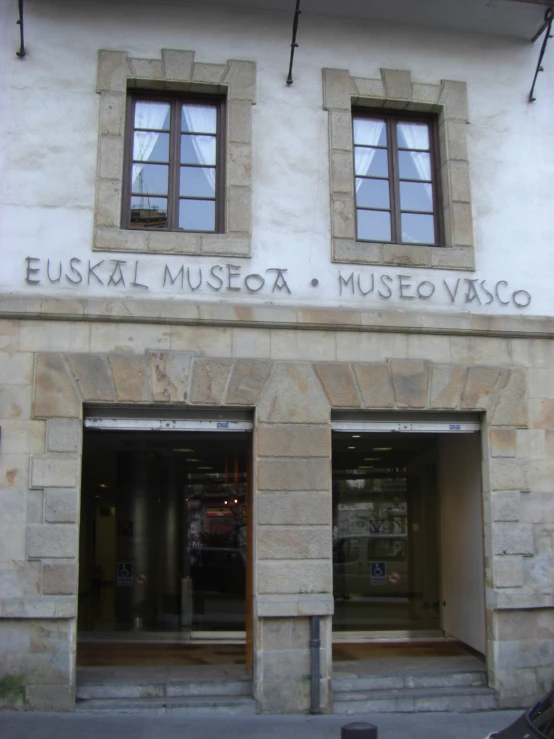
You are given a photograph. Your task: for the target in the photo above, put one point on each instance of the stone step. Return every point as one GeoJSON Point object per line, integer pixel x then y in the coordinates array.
{"type": "Point", "coordinates": [120, 689]}
{"type": "Point", "coordinates": [470, 678]}
{"type": "Point", "coordinates": [214, 705]}
{"type": "Point", "coordinates": [415, 700]}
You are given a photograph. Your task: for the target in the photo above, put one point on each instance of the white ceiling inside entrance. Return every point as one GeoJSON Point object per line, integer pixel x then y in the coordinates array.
{"type": "Point", "coordinates": [518, 18]}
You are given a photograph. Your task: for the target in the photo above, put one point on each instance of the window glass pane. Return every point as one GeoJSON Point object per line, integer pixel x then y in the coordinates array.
{"type": "Point", "coordinates": [416, 196]}
{"type": "Point", "coordinates": [152, 115]}
{"type": "Point", "coordinates": [370, 132]}
{"type": "Point", "coordinates": [374, 225]}
{"type": "Point", "coordinates": [388, 549]}
{"type": "Point", "coordinates": [197, 149]}
{"type": "Point", "coordinates": [346, 550]}
{"type": "Point", "coordinates": [197, 215]}
{"type": "Point", "coordinates": [153, 147]}
{"type": "Point", "coordinates": [372, 193]}
{"type": "Point", "coordinates": [418, 229]}
{"type": "Point", "coordinates": [414, 165]}
{"type": "Point", "coordinates": [199, 118]}
{"type": "Point", "coordinates": [413, 135]}
{"type": "Point", "coordinates": [147, 212]}
{"type": "Point", "coordinates": [371, 162]}
{"type": "Point", "coordinates": [198, 182]}
{"type": "Point", "coordinates": [149, 179]}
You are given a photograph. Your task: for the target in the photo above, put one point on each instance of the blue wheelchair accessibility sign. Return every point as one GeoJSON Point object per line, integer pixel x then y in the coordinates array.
{"type": "Point", "coordinates": [124, 574]}
{"type": "Point", "coordinates": [378, 573]}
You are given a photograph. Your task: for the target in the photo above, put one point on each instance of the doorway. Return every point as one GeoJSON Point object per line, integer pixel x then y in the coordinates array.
{"type": "Point", "coordinates": [407, 531]}
{"type": "Point", "coordinates": [164, 544]}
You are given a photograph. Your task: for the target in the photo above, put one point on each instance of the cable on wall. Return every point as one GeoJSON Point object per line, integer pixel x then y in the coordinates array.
{"type": "Point", "coordinates": [21, 53]}
{"type": "Point", "coordinates": [547, 27]}
{"type": "Point", "coordinates": [294, 45]}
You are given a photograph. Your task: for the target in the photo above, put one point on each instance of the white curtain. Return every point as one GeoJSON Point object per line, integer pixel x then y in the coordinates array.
{"type": "Point", "coordinates": [371, 135]}
{"type": "Point", "coordinates": [147, 115]}
{"type": "Point", "coordinates": [201, 118]}
{"type": "Point", "coordinates": [417, 137]}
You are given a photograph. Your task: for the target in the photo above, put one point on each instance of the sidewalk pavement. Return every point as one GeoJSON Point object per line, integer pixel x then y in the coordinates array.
{"type": "Point", "coordinates": [172, 725]}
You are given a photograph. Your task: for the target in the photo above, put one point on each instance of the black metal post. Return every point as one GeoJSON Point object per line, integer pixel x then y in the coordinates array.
{"type": "Point", "coordinates": [359, 730]}
{"type": "Point", "coordinates": [21, 53]}
{"type": "Point", "coordinates": [315, 644]}
{"type": "Point", "coordinates": [548, 17]}
{"type": "Point", "coordinates": [294, 44]}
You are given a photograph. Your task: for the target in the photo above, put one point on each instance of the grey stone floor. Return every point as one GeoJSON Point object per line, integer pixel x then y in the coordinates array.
{"type": "Point", "coordinates": [171, 726]}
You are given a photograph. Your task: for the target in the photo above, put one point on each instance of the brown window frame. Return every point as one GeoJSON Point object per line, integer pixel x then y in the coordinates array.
{"type": "Point", "coordinates": [390, 119]}
{"type": "Point", "coordinates": [176, 101]}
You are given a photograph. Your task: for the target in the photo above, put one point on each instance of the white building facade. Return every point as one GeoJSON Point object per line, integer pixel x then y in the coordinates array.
{"type": "Point", "coordinates": [189, 240]}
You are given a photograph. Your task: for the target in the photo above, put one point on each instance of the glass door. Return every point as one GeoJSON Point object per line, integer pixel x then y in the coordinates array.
{"type": "Point", "coordinates": [385, 533]}
{"type": "Point", "coordinates": [163, 539]}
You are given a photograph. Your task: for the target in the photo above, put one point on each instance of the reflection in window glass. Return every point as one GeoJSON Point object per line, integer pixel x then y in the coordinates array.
{"type": "Point", "coordinates": [149, 146]}
{"type": "Point", "coordinates": [416, 196]}
{"type": "Point", "coordinates": [414, 165]}
{"type": "Point", "coordinates": [197, 215]}
{"type": "Point", "coordinates": [374, 225]}
{"type": "Point", "coordinates": [150, 179]}
{"type": "Point", "coordinates": [147, 212]}
{"type": "Point", "coordinates": [199, 118]}
{"type": "Point", "coordinates": [388, 549]}
{"type": "Point", "coordinates": [413, 135]}
{"type": "Point", "coordinates": [198, 149]}
{"type": "Point", "coordinates": [174, 166]}
{"type": "Point", "coordinates": [198, 182]}
{"type": "Point", "coordinates": [395, 173]}
{"type": "Point", "coordinates": [372, 193]}
{"type": "Point", "coordinates": [152, 115]}
{"type": "Point", "coordinates": [346, 550]}
{"type": "Point", "coordinates": [391, 581]}
{"type": "Point", "coordinates": [418, 229]}
{"type": "Point", "coordinates": [370, 132]}
{"type": "Point", "coordinates": [371, 162]}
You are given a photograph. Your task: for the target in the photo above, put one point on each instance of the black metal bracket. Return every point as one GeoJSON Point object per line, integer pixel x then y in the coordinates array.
{"type": "Point", "coordinates": [548, 18]}
{"type": "Point", "coordinates": [21, 53]}
{"type": "Point", "coordinates": [294, 45]}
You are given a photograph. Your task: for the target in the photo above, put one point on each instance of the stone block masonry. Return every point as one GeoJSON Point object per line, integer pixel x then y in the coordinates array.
{"type": "Point", "coordinates": [292, 401]}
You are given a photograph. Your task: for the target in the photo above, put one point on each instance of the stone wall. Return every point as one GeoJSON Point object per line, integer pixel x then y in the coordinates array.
{"type": "Point", "coordinates": [292, 379]}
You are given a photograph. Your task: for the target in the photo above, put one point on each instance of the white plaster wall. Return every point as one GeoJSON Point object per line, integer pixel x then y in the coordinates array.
{"type": "Point", "coordinates": [48, 141]}
{"type": "Point", "coordinates": [462, 565]}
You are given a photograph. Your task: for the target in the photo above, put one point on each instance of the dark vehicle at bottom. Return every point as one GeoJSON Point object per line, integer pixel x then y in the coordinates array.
{"type": "Point", "coordinates": [536, 723]}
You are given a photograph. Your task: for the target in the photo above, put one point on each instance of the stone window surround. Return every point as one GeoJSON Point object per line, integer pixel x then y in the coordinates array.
{"type": "Point", "coordinates": [176, 71]}
{"type": "Point", "coordinates": [396, 91]}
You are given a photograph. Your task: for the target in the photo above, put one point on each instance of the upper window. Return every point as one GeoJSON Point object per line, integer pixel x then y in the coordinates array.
{"type": "Point", "coordinates": [395, 175]}
{"type": "Point", "coordinates": [173, 177]}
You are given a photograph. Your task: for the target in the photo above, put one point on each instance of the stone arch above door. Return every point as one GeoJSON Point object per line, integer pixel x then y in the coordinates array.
{"type": "Point", "coordinates": [64, 382]}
